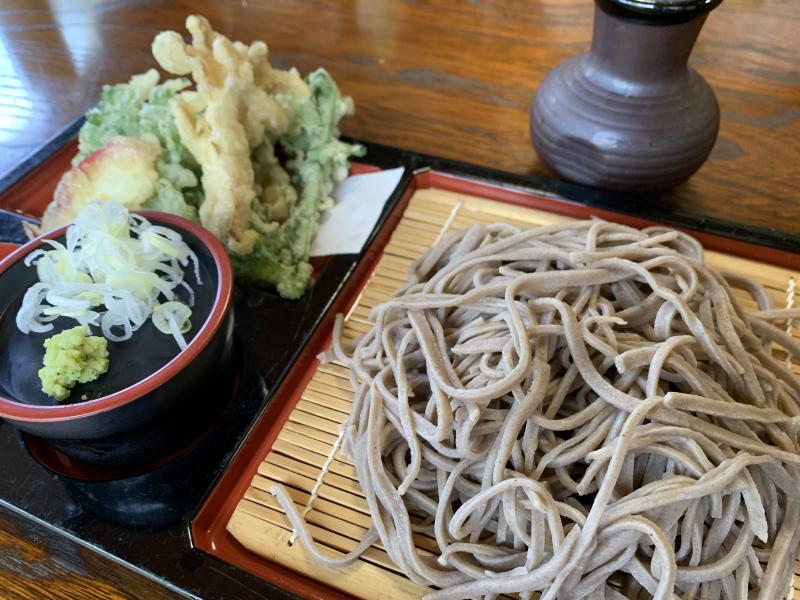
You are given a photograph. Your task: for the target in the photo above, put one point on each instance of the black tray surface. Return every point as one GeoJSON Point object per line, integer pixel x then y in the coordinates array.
{"type": "Point", "coordinates": [142, 521]}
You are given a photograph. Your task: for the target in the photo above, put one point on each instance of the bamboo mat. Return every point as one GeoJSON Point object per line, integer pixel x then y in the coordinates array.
{"type": "Point", "coordinates": [338, 513]}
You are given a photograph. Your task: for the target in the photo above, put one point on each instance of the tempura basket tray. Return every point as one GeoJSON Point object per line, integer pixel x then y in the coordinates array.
{"type": "Point", "coordinates": [296, 442]}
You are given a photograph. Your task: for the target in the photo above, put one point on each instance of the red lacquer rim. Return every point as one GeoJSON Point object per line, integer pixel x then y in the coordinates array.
{"type": "Point", "coordinates": [34, 413]}
{"type": "Point", "coordinates": [6, 248]}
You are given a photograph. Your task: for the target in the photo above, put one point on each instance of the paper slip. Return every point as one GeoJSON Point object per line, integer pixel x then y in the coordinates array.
{"type": "Point", "coordinates": [345, 227]}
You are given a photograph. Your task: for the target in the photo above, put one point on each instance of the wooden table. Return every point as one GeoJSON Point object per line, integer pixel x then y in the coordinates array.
{"type": "Point", "coordinates": [446, 77]}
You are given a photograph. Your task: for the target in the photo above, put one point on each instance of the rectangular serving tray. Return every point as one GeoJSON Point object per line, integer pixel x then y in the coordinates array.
{"type": "Point", "coordinates": [281, 340]}
{"type": "Point", "coordinates": [210, 527]}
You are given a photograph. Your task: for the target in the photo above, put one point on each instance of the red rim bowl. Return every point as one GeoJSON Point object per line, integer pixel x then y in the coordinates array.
{"type": "Point", "coordinates": [30, 413]}
{"type": "Point", "coordinates": [7, 248]}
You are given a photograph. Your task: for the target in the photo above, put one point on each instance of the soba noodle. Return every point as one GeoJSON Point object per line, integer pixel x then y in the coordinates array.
{"type": "Point", "coordinates": [583, 410]}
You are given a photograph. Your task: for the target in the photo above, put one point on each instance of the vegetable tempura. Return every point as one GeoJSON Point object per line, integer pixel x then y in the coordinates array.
{"type": "Point", "coordinates": [250, 151]}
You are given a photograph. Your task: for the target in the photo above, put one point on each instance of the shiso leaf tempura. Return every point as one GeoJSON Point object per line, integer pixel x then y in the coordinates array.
{"type": "Point", "coordinates": [583, 410]}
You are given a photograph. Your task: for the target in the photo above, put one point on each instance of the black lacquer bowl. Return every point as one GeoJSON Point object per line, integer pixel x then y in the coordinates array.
{"type": "Point", "coordinates": [148, 403]}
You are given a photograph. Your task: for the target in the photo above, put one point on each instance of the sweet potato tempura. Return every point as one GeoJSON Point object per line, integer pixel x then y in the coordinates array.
{"type": "Point", "coordinates": [225, 118]}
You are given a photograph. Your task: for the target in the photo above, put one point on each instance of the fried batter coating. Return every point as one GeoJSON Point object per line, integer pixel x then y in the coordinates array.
{"type": "Point", "coordinates": [225, 118]}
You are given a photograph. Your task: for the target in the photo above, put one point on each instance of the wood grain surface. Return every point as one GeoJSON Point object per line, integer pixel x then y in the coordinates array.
{"type": "Point", "coordinates": [36, 564]}
{"type": "Point", "coordinates": [447, 77]}
{"type": "Point", "coordinates": [452, 78]}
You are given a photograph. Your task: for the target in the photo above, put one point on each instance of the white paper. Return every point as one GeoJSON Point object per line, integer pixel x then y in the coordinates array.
{"type": "Point", "coordinates": [345, 227]}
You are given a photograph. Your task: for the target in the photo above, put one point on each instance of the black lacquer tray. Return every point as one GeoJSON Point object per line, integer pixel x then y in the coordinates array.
{"type": "Point", "coordinates": [143, 519]}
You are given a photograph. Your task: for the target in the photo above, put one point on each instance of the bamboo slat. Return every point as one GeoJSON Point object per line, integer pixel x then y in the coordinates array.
{"type": "Point", "coordinates": [339, 515]}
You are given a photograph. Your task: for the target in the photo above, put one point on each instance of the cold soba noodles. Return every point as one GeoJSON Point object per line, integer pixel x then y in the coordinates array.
{"type": "Point", "coordinates": [582, 409]}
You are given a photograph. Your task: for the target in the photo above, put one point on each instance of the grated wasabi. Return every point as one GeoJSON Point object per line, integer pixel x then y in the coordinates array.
{"type": "Point", "coordinates": [72, 357]}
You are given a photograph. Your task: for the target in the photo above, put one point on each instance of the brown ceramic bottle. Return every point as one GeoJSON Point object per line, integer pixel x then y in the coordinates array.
{"type": "Point", "coordinates": [630, 115]}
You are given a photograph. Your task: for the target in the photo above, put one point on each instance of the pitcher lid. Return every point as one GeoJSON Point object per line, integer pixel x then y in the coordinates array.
{"type": "Point", "coordinates": [659, 11]}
